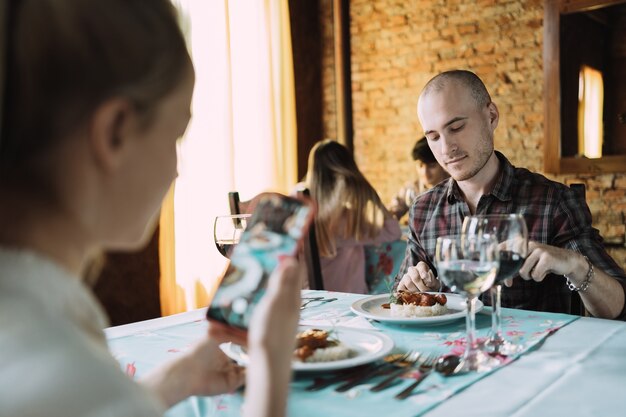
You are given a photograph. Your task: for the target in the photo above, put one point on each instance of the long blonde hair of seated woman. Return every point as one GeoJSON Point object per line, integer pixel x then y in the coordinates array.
{"type": "Point", "coordinates": [348, 205]}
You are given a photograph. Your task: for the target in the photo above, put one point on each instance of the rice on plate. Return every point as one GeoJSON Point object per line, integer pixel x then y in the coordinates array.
{"type": "Point", "coordinates": [408, 304]}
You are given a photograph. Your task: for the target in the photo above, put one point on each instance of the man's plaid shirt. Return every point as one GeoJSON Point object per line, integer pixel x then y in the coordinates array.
{"type": "Point", "coordinates": [555, 215]}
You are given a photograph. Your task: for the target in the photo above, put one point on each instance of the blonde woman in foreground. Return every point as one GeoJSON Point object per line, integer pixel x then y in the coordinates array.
{"type": "Point", "coordinates": [96, 94]}
{"type": "Point", "coordinates": [350, 215]}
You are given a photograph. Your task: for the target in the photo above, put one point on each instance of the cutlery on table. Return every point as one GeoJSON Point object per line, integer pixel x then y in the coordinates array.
{"type": "Point", "coordinates": [450, 365]}
{"type": "Point", "coordinates": [424, 360]}
{"type": "Point", "coordinates": [321, 383]}
{"type": "Point", "coordinates": [307, 301]}
{"type": "Point", "coordinates": [408, 360]}
{"type": "Point", "coordinates": [425, 368]}
{"type": "Point", "coordinates": [359, 372]}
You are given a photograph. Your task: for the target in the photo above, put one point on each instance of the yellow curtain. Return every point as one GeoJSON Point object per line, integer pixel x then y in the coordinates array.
{"type": "Point", "coordinates": [242, 136]}
{"type": "Point", "coordinates": [172, 297]}
{"type": "Point", "coordinates": [284, 108]}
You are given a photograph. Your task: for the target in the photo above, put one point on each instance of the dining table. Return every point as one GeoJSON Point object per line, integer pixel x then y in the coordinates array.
{"type": "Point", "coordinates": [568, 365]}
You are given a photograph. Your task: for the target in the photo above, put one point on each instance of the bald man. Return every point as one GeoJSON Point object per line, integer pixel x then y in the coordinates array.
{"type": "Point", "coordinates": [565, 253]}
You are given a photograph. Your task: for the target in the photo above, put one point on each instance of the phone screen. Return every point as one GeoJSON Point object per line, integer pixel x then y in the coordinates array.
{"type": "Point", "coordinates": [276, 228]}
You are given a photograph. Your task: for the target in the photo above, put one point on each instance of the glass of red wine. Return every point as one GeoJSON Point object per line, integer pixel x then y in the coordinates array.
{"type": "Point", "coordinates": [512, 234]}
{"type": "Point", "coordinates": [227, 230]}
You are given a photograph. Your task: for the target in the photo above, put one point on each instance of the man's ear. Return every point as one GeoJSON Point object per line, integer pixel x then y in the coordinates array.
{"type": "Point", "coordinates": [494, 115]}
{"type": "Point", "coordinates": [110, 128]}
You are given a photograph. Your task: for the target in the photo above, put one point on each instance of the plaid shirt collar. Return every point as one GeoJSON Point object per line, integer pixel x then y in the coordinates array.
{"type": "Point", "coordinates": [502, 190]}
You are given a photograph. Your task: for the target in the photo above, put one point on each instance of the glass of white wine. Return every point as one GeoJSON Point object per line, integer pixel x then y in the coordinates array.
{"type": "Point", "coordinates": [227, 230]}
{"type": "Point", "coordinates": [469, 265]}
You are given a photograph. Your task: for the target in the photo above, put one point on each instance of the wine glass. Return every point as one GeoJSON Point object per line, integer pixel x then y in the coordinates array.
{"type": "Point", "coordinates": [512, 235]}
{"type": "Point", "coordinates": [227, 230]}
{"type": "Point", "coordinates": [468, 265]}
{"type": "Point", "coordinates": [410, 195]}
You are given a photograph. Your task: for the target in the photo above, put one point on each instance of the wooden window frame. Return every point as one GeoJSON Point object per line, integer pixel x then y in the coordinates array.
{"type": "Point", "coordinates": [553, 161]}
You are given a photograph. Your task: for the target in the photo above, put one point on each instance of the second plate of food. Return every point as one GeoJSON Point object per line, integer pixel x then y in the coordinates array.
{"type": "Point", "coordinates": [372, 307]}
{"type": "Point", "coordinates": [364, 346]}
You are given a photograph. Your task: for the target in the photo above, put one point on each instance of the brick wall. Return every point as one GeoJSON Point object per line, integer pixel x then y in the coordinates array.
{"type": "Point", "coordinates": [398, 45]}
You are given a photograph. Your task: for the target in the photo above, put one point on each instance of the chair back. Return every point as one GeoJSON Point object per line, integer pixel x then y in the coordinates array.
{"type": "Point", "coordinates": [233, 202]}
{"type": "Point", "coordinates": [311, 253]}
{"type": "Point", "coordinates": [580, 189]}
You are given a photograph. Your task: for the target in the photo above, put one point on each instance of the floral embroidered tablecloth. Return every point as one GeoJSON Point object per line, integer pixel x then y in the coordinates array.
{"type": "Point", "coordinates": [139, 351]}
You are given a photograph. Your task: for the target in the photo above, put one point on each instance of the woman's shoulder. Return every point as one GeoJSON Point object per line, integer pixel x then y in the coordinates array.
{"type": "Point", "coordinates": [73, 374]}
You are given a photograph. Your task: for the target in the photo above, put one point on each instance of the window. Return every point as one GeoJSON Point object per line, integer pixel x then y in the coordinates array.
{"type": "Point", "coordinates": [590, 110]}
{"type": "Point", "coordinates": [585, 93]}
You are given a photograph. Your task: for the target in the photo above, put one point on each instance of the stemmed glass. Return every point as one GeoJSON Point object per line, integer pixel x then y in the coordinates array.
{"type": "Point", "coordinates": [410, 195]}
{"type": "Point", "coordinates": [468, 265]}
{"type": "Point", "coordinates": [512, 235]}
{"type": "Point", "coordinates": [227, 230]}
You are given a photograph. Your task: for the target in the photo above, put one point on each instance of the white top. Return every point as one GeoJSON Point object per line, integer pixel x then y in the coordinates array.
{"type": "Point", "coordinates": [54, 359]}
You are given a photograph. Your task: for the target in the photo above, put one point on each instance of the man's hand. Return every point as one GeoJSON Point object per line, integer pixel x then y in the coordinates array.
{"type": "Point", "coordinates": [545, 259]}
{"type": "Point", "coordinates": [605, 296]}
{"type": "Point", "coordinates": [419, 278]}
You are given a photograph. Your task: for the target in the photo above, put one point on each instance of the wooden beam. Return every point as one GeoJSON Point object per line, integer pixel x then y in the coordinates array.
{"type": "Point", "coordinates": [606, 164]}
{"type": "Point", "coordinates": [343, 87]}
{"type": "Point", "coordinates": [574, 6]}
{"type": "Point", "coordinates": [552, 88]}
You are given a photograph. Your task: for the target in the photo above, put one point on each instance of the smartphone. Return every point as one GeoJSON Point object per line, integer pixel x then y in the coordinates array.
{"type": "Point", "coordinates": [276, 228]}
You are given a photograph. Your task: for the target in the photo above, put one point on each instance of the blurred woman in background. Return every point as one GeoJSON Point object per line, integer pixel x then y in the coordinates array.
{"type": "Point", "coordinates": [350, 215]}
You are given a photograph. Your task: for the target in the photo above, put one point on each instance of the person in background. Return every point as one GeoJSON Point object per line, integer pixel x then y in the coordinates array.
{"type": "Point", "coordinates": [565, 253]}
{"type": "Point", "coordinates": [96, 94]}
{"type": "Point", "coordinates": [350, 215]}
{"type": "Point", "coordinates": [429, 174]}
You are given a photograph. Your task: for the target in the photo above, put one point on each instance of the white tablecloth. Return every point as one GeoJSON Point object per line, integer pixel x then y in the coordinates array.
{"type": "Point", "coordinates": [578, 371]}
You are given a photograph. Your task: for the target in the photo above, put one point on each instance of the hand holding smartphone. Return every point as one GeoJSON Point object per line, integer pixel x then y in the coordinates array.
{"type": "Point", "coordinates": [276, 228]}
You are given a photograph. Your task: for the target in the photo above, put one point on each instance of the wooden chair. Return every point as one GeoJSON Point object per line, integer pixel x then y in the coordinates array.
{"type": "Point", "coordinates": [310, 251]}
{"type": "Point", "coordinates": [580, 189]}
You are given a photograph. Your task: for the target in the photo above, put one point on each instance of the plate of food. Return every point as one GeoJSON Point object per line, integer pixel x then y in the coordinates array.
{"type": "Point", "coordinates": [405, 307]}
{"type": "Point", "coordinates": [327, 349]}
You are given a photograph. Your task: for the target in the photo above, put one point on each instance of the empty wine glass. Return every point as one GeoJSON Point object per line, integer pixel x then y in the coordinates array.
{"type": "Point", "coordinates": [468, 265]}
{"type": "Point", "coordinates": [512, 234]}
{"type": "Point", "coordinates": [227, 231]}
{"type": "Point", "coordinates": [410, 195]}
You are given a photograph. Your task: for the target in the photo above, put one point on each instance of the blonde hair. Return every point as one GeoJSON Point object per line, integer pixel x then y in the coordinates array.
{"type": "Point", "coordinates": [348, 205]}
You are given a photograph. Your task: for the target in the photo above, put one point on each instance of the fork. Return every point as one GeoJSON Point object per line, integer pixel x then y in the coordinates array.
{"type": "Point", "coordinates": [425, 368]}
{"type": "Point", "coordinates": [386, 383]}
{"type": "Point", "coordinates": [308, 301]}
{"type": "Point", "coordinates": [356, 373]}
{"type": "Point", "coordinates": [405, 361]}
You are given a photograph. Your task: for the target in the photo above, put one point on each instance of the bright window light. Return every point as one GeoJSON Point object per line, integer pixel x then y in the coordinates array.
{"type": "Point", "coordinates": [236, 139]}
{"type": "Point", "coordinates": [590, 106]}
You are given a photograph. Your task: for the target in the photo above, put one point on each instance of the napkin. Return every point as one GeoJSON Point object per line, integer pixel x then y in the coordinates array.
{"type": "Point", "coordinates": [331, 318]}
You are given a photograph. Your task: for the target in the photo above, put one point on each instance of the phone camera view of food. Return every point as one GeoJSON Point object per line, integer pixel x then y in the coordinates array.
{"type": "Point", "coordinates": [276, 228]}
